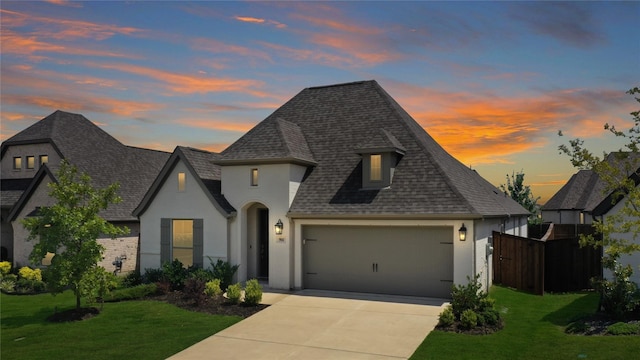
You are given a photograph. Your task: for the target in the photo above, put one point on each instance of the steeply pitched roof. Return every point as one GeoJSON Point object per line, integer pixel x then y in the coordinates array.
{"type": "Point", "coordinates": [101, 156]}
{"type": "Point", "coordinates": [272, 141]}
{"type": "Point", "coordinates": [586, 191]}
{"type": "Point", "coordinates": [336, 122]}
{"type": "Point", "coordinates": [207, 174]}
{"type": "Point", "coordinates": [11, 190]}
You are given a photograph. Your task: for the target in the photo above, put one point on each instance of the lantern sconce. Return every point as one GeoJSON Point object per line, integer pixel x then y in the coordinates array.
{"type": "Point", "coordinates": [279, 226]}
{"type": "Point", "coordinates": [462, 232]}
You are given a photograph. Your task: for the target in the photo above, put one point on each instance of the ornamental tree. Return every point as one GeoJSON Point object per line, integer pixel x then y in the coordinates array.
{"type": "Point", "coordinates": [521, 193]}
{"type": "Point", "coordinates": [70, 228]}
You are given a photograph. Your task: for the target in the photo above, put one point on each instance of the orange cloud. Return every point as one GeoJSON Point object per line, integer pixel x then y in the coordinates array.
{"type": "Point", "coordinates": [254, 20]}
{"type": "Point", "coordinates": [211, 124]}
{"type": "Point", "coordinates": [216, 46]}
{"type": "Point", "coordinates": [188, 84]}
{"type": "Point", "coordinates": [315, 56]}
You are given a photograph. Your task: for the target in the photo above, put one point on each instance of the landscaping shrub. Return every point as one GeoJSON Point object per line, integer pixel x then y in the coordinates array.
{"type": "Point", "coordinates": [175, 273]}
{"type": "Point", "coordinates": [622, 328]}
{"type": "Point", "coordinates": [194, 290]}
{"type": "Point", "coordinates": [8, 285]}
{"type": "Point", "coordinates": [200, 273]}
{"type": "Point", "coordinates": [253, 293]}
{"type": "Point", "coordinates": [465, 297]}
{"type": "Point", "coordinates": [446, 318]}
{"type": "Point", "coordinates": [234, 293]}
{"type": "Point", "coordinates": [618, 297]}
{"type": "Point", "coordinates": [131, 293]}
{"type": "Point", "coordinates": [5, 268]}
{"type": "Point", "coordinates": [469, 319]}
{"type": "Point", "coordinates": [152, 276]}
{"type": "Point", "coordinates": [212, 288]}
{"type": "Point", "coordinates": [30, 274]}
{"type": "Point", "coordinates": [133, 278]}
{"type": "Point", "coordinates": [224, 271]}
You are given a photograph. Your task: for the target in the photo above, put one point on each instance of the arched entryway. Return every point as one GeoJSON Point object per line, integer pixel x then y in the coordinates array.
{"type": "Point", "coordinates": [257, 242]}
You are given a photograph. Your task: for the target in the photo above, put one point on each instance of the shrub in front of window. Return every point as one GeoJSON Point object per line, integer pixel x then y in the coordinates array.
{"type": "Point", "coordinates": [224, 271]}
{"type": "Point", "coordinates": [175, 273]}
{"type": "Point", "coordinates": [212, 288]}
{"type": "Point", "coordinates": [234, 293]}
{"type": "Point", "coordinates": [194, 291]}
{"type": "Point", "coordinates": [252, 293]}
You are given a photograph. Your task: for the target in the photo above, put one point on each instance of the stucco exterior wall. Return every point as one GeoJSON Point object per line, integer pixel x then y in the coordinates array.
{"type": "Point", "coordinates": [276, 189]}
{"type": "Point", "coordinates": [23, 151]}
{"type": "Point", "coordinates": [633, 259]}
{"type": "Point", "coordinates": [193, 203]}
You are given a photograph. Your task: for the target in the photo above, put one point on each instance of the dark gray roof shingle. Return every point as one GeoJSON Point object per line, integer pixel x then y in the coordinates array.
{"type": "Point", "coordinates": [339, 120]}
{"type": "Point", "coordinates": [102, 157]}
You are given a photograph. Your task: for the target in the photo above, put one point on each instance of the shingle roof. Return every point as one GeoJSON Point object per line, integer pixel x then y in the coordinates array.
{"type": "Point", "coordinates": [11, 190]}
{"type": "Point", "coordinates": [207, 174]}
{"type": "Point", "coordinates": [336, 122]}
{"type": "Point", "coordinates": [585, 190]}
{"type": "Point", "coordinates": [102, 157]}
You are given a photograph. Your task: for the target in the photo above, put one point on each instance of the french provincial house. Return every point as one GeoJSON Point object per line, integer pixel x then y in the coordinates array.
{"type": "Point", "coordinates": [337, 189]}
{"type": "Point", "coordinates": [30, 160]}
{"type": "Point", "coordinates": [584, 198]}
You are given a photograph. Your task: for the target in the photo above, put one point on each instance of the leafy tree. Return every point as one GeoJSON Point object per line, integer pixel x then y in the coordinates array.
{"type": "Point", "coordinates": [618, 174]}
{"type": "Point", "coordinates": [69, 229]}
{"type": "Point", "coordinates": [522, 194]}
{"type": "Point", "coordinates": [619, 231]}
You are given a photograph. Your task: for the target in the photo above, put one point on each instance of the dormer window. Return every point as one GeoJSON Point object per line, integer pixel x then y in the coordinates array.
{"type": "Point", "coordinates": [17, 163]}
{"type": "Point", "coordinates": [31, 162]}
{"type": "Point", "coordinates": [380, 155]}
{"type": "Point", "coordinates": [375, 171]}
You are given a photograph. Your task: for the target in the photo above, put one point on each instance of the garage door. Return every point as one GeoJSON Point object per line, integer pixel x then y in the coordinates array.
{"type": "Point", "coordinates": [400, 260]}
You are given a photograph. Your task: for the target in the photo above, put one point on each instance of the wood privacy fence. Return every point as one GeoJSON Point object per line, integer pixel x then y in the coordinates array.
{"type": "Point", "coordinates": [554, 263]}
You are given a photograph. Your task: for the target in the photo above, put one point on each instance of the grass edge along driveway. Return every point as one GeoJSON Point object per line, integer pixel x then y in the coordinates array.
{"type": "Point", "coordinates": [124, 330]}
{"type": "Point", "coordinates": [534, 329]}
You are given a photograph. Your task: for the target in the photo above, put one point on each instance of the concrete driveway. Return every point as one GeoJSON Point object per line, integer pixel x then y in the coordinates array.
{"type": "Point", "coordinates": [314, 324]}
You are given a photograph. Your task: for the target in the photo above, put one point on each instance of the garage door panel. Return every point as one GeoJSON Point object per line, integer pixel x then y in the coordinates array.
{"type": "Point", "coordinates": [393, 260]}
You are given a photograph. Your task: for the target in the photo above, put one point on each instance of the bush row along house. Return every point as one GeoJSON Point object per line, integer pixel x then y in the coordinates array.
{"type": "Point", "coordinates": [338, 189]}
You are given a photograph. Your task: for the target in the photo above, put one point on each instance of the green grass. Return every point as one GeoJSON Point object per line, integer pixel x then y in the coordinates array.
{"type": "Point", "coordinates": [124, 330]}
{"type": "Point", "coordinates": [534, 329]}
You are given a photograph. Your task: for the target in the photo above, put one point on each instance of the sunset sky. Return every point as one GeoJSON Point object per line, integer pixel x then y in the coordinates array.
{"type": "Point", "coordinates": [492, 82]}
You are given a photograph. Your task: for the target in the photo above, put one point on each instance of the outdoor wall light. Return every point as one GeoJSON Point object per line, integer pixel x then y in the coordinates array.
{"type": "Point", "coordinates": [462, 232]}
{"type": "Point", "coordinates": [279, 226]}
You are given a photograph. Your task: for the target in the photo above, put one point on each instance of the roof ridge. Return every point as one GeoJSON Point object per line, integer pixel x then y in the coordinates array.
{"type": "Point", "coordinates": [341, 84]}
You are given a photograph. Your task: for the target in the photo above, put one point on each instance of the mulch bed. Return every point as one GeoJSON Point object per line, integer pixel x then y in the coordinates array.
{"type": "Point", "coordinates": [597, 324]}
{"type": "Point", "coordinates": [478, 330]}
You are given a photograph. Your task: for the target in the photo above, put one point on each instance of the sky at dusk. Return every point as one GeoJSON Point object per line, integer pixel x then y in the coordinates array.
{"type": "Point", "coordinates": [492, 82]}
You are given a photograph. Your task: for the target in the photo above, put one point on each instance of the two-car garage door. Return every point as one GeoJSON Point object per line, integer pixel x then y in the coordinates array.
{"type": "Point", "coordinates": [397, 260]}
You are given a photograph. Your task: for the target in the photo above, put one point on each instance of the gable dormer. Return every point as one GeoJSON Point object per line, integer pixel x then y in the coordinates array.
{"type": "Point", "coordinates": [380, 155]}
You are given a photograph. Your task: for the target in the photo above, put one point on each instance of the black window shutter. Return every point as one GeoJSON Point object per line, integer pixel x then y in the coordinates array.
{"type": "Point", "coordinates": [165, 240]}
{"type": "Point", "coordinates": [198, 242]}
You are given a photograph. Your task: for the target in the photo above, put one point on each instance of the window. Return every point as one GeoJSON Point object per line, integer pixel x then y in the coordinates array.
{"type": "Point", "coordinates": [376, 167]}
{"type": "Point", "coordinates": [17, 163]}
{"type": "Point", "coordinates": [254, 177]}
{"type": "Point", "coordinates": [44, 159]}
{"type": "Point", "coordinates": [31, 162]}
{"type": "Point", "coordinates": [183, 241]}
{"type": "Point", "coordinates": [182, 181]}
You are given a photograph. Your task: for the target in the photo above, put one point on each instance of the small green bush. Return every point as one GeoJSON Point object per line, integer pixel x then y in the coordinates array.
{"type": "Point", "coordinates": [175, 273]}
{"type": "Point", "coordinates": [5, 268]}
{"type": "Point", "coordinates": [194, 291]}
{"type": "Point", "coordinates": [152, 276]}
{"type": "Point", "coordinates": [212, 288]}
{"type": "Point", "coordinates": [234, 293]}
{"type": "Point", "coordinates": [133, 278]}
{"type": "Point", "coordinates": [446, 318]}
{"type": "Point", "coordinates": [200, 274]}
{"type": "Point", "coordinates": [8, 285]}
{"type": "Point", "coordinates": [224, 271]}
{"type": "Point", "coordinates": [489, 316]}
{"type": "Point", "coordinates": [252, 293]}
{"type": "Point", "coordinates": [96, 284]}
{"type": "Point", "coordinates": [467, 297]}
{"type": "Point", "coordinates": [132, 293]}
{"type": "Point", "coordinates": [468, 319]}
{"type": "Point", "coordinates": [621, 328]}
{"type": "Point", "coordinates": [620, 296]}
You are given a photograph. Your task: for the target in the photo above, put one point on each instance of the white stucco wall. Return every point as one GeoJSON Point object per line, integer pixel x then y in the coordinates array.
{"type": "Point", "coordinates": [276, 189]}
{"type": "Point", "coordinates": [193, 203]}
{"type": "Point", "coordinates": [23, 151]}
{"type": "Point", "coordinates": [633, 259]}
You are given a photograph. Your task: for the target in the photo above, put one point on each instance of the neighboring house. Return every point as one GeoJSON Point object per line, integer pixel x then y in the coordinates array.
{"type": "Point", "coordinates": [31, 158]}
{"type": "Point", "coordinates": [584, 198]}
{"type": "Point", "coordinates": [337, 189]}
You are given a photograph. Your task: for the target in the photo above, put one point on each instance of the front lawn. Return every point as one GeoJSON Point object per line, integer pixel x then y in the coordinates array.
{"type": "Point", "coordinates": [534, 329]}
{"type": "Point", "coordinates": [124, 330]}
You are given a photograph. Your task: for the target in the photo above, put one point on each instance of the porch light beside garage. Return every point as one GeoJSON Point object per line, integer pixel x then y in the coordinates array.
{"type": "Point", "coordinates": [462, 232]}
{"type": "Point", "coordinates": [279, 226]}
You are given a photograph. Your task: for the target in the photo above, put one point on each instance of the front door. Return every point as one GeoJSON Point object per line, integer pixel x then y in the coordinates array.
{"type": "Point", "coordinates": [263, 243]}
